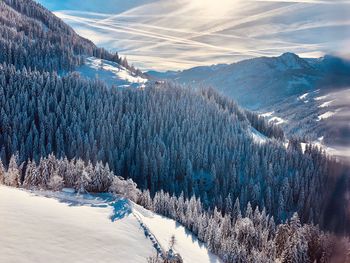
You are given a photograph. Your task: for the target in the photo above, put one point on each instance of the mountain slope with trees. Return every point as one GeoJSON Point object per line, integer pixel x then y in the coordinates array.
{"type": "Point", "coordinates": [163, 137]}
{"type": "Point", "coordinates": [32, 37]}
{"type": "Point", "coordinates": [307, 97]}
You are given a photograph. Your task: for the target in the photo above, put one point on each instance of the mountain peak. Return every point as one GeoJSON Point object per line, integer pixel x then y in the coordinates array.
{"type": "Point", "coordinates": [293, 61]}
{"type": "Point", "coordinates": [289, 55]}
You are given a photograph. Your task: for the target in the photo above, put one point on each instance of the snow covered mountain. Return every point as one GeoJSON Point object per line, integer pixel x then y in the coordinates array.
{"type": "Point", "coordinates": [92, 228]}
{"type": "Point", "coordinates": [272, 78]}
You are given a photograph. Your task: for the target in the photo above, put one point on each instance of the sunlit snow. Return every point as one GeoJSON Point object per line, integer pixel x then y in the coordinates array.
{"type": "Point", "coordinates": [321, 97]}
{"type": "Point", "coordinates": [257, 136]}
{"type": "Point", "coordinates": [326, 104]}
{"type": "Point", "coordinates": [110, 72]}
{"type": "Point", "coordinates": [190, 249]}
{"type": "Point", "coordinates": [267, 114]}
{"type": "Point", "coordinates": [326, 115]}
{"type": "Point", "coordinates": [277, 120]}
{"type": "Point", "coordinates": [302, 97]}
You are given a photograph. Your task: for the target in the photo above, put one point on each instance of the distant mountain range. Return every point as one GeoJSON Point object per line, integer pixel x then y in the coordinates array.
{"type": "Point", "coordinates": [261, 82]}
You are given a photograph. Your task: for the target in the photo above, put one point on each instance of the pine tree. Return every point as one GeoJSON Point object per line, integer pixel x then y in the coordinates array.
{"type": "Point", "coordinates": [13, 174]}
{"type": "Point", "coordinates": [56, 182]}
{"type": "Point", "coordinates": [82, 182]}
{"type": "Point", "coordinates": [32, 177]}
{"type": "Point", "coordinates": [2, 173]}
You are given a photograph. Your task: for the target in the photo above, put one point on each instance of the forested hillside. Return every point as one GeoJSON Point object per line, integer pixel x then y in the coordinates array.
{"type": "Point", "coordinates": [163, 137]}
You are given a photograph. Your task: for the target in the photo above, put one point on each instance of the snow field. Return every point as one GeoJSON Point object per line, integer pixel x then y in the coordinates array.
{"type": "Point", "coordinates": [45, 226]}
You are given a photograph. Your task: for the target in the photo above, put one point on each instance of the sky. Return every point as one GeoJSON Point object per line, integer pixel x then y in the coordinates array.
{"type": "Point", "coordinates": [179, 34]}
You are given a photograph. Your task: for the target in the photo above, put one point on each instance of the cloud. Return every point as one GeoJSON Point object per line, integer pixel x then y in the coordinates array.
{"type": "Point", "coordinates": [177, 34]}
{"type": "Point", "coordinates": [331, 2]}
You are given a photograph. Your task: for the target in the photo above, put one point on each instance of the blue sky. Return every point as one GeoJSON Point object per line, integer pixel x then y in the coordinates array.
{"type": "Point", "coordinates": [178, 34]}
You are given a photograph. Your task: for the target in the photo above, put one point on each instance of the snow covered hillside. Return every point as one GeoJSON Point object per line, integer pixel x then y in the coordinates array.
{"type": "Point", "coordinates": [72, 228]}
{"type": "Point", "coordinates": [110, 72]}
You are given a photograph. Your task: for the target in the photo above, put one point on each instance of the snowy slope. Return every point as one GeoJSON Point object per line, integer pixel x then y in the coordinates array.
{"type": "Point", "coordinates": [38, 229]}
{"type": "Point", "coordinates": [110, 72]}
{"type": "Point", "coordinates": [60, 227]}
